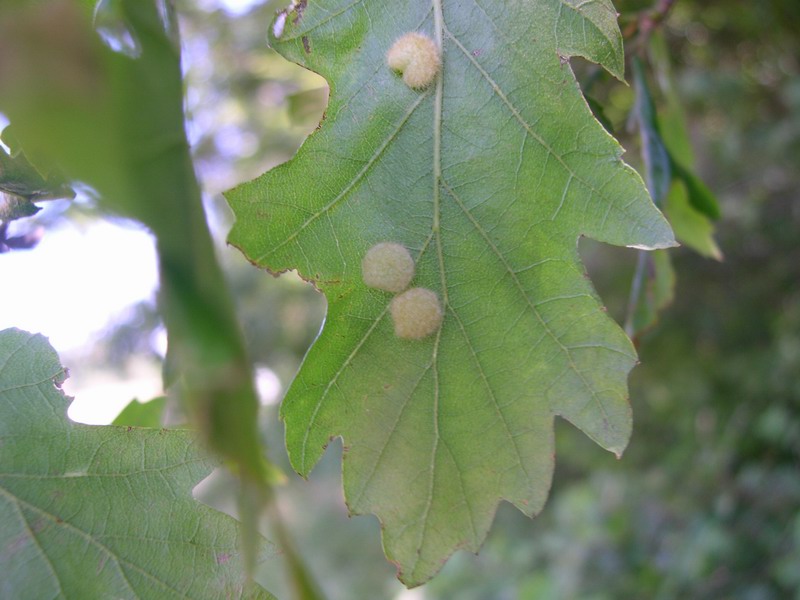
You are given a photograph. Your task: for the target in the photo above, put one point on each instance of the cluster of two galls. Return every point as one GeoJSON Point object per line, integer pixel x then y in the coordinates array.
{"type": "Point", "coordinates": [416, 312]}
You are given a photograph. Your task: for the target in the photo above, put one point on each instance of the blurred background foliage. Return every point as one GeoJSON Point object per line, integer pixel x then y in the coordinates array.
{"type": "Point", "coordinates": [705, 502]}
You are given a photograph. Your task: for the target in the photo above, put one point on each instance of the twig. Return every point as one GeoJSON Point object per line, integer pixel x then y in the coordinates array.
{"type": "Point", "coordinates": [639, 31]}
{"type": "Point", "coordinates": [636, 293]}
{"type": "Point", "coordinates": [647, 21]}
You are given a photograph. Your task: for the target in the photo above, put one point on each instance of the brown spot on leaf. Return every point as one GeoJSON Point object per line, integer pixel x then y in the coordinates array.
{"type": "Point", "coordinates": [306, 44]}
{"type": "Point", "coordinates": [298, 11]}
{"type": "Point", "coordinates": [61, 377]}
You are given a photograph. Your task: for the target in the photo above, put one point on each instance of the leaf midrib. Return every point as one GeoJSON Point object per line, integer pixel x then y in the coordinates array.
{"type": "Point", "coordinates": [440, 31]}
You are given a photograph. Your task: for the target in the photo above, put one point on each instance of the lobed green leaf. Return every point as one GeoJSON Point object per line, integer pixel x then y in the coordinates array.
{"type": "Point", "coordinates": [489, 176]}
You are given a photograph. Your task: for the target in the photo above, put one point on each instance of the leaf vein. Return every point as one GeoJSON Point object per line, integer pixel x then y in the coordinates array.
{"type": "Point", "coordinates": [35, 540]}
{"type": "Point", "coordinates": [338, 373]}
{"type": "Point", "coordinates": [91, 541]}
{"type": "Point", "coordinates": [518, 117]}
{"type": "Point", "coordinates": [492, 395]}
{"type": "Point", "coordinates": [351, 184]}
{"type": "Point", "coordinates": [521, 289]}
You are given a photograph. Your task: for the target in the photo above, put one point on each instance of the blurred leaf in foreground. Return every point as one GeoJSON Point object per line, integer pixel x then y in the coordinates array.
{"type": "Point", "coordinates": [114, 120]}
{"type": "Point", "coordinates": [101, 512]}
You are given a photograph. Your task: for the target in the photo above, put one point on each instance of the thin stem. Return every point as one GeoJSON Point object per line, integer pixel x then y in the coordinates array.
{"type": "Point", "coordinates": [302, 584]}
{"type": "Point", "coordinates": [641, 28]}
{"type": "Point", "coordinates": [646, 22]}
{"type": "Point", "coordinates": [438, 23]}
{"type": "Point", "coordinates": [636, 293]}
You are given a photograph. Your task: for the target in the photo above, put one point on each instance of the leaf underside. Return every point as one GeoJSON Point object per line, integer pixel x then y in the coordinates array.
{"type": "Point", "coordinates": [489, 177]}
{"type": "Point", "coordinates": [101, 512]}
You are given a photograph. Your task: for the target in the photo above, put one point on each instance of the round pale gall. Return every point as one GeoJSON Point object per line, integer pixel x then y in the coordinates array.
{"type": "Point", "coordinates": [416, 313]}
{"type": "Point", "coordinates": [417, 57]}
{"type": "Point", "coordinates": [387, 266]}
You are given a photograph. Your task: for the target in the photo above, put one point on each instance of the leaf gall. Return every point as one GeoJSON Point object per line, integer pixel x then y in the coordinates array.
{"type": "Point", "coordinates": [416, 56]}
{"type": "Point", "coordinates": [416, 313]}
{"type": "Point", "coordinates": [387, 266]}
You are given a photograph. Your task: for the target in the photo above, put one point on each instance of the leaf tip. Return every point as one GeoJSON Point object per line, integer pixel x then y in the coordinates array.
{"type": "Point", "coordinates": [663, 239]}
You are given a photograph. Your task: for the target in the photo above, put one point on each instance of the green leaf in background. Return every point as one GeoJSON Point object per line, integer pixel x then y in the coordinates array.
{"type": "Point", "coordinates": [671, 125]}
{"type": "Point", "coordinates": [23, 185]}
{"type": "Point", "coordinates": [699, 196]}
{"type": "Point", "coordinates": [671, 115]}
{"type": "Point", "coordinates": [142, 414]}
{"type": "Point", "coordinates": [657, 163]}
{"type": "Point", "coordinates": [488, 177]}
{"type": "Point", "coordinates": [686, 201]}
{"type": "Point", "coordinates": [694, 229]}
{"type": "Point", "coordinates": [658, 291]}
{"type": "Point", "coordinates": [101, 512]}
{"type": "Point", "coordinates": [652, 288]}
